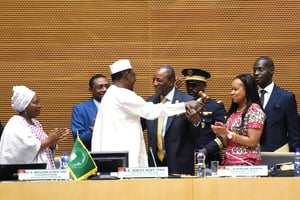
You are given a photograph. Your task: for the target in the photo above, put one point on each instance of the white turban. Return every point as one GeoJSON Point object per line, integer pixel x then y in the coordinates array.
{"type": "Point", "coordinates": [21, 98]}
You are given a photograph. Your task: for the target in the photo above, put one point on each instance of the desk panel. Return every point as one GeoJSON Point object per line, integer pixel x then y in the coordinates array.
{"type": "Point", "coordinates": [275, 188]}
{"type": "Point", "coordinates": [287, 188]}
{"type": "Point", "coordinates": [101, 189]}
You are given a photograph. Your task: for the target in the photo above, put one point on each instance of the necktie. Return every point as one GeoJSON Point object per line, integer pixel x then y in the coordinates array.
{"type": "Point", "coordinates": [159, 142]}
{"type": "Point", "coordinates": [262, 97]}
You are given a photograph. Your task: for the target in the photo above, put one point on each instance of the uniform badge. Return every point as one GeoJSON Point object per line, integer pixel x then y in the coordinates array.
{"type": "Point", "coordinates": [202, 124]}
{"type": "Point", "coordinates": [190, 72]}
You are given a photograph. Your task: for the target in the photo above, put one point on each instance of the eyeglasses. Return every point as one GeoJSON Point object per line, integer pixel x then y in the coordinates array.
{"type": "Point", "coordinates": [101, 87]}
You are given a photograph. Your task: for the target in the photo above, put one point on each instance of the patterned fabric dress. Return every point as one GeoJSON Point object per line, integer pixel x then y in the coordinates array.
{"type": "Point", "coordinates": [237, 154]}
{"type": "Point", "coordinates": [40, 135]}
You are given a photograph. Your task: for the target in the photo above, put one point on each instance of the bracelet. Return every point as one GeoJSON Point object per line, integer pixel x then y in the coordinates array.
{"type": "Point", "coordinates": [234, 136]}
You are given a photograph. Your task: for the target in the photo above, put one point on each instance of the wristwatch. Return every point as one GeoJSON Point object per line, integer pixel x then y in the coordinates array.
{"type": "Point", "coordinates": [230, 135]}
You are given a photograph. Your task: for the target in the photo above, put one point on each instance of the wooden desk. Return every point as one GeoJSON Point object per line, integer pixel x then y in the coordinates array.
{"type": "Point", "coordinates": [155, 189]}
{"type": "Point", "coordinates": [137, 189]}
{"type": "Point", "coordinates": [286, 188]}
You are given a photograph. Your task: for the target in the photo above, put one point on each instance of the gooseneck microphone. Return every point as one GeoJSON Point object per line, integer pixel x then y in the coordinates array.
{"type": "Point", "coordinates": [244, 161]}
{"type": "Point", "coordinates": [152, 155]}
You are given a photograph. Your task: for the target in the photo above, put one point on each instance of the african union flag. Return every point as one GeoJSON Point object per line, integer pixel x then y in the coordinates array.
{"type": "Point", "coordinates": [81, 165]}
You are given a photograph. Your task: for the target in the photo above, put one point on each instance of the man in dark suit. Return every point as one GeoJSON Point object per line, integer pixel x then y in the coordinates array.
{"type": "Point", "coordinates": [282, 131]}
{"type": "Point", "coordinates": [196, 81]}
{"type": "Point", "coordinates": [84, 114]}
{"type": "Point", "coordinates": [179, 132]}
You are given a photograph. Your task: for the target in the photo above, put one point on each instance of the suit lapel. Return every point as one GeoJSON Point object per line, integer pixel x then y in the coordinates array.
{"type": "Point", "coordinates": [156, 99]}
{"type": "Point", "coordinates": [92, 104]}
{"type": "Point", "coordinates": [273, 98]}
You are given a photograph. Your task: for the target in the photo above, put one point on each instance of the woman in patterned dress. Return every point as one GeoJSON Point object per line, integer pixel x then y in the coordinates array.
{"type": "Point", "coordinates": [245, 123]}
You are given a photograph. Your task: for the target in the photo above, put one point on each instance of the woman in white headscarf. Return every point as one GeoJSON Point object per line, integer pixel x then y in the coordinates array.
{"type": "Point", "coordinates": [23, 139]}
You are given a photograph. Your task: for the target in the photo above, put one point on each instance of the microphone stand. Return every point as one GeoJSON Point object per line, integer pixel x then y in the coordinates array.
{"type": "Point", "coordinates": [152, 155]}
{"type": "Point", "coordinates": [239, 159]}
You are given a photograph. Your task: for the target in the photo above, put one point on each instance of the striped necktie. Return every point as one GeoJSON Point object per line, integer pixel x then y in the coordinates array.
{"type": "Point", "coordinates": [159, 141]}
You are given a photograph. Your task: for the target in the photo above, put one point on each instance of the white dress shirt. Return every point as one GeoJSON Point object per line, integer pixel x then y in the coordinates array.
{"type": "Point", "coordinates": [268, 93]}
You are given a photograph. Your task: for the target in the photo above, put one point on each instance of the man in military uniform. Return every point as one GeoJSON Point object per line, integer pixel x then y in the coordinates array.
{"type": "Point", "coordinates": [196, 81]}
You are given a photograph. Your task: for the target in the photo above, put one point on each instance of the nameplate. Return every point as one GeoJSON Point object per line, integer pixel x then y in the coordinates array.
{"type": "Point", "coordinates": [241, 170]}
{"type": "Point", "coordinates": [143, 172]}
{"type": "Point", "coordinates": [43, 174]}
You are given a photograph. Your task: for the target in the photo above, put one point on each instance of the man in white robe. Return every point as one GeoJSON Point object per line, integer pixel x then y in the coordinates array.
{"type": "Point", "coordinates": [118, 125]}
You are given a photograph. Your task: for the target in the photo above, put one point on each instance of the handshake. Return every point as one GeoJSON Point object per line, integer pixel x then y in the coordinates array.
{"type": "Point", "coordinates": [197, 106]}
{"type": "Point", "coordinates": [194, 107]}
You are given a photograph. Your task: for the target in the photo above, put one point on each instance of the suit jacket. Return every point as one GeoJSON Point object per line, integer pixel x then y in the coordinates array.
{"type": "Point", "coordinates": [214, 111]}
{"type": "Point", "coordinates": [282, 121]}
{"type": "Point", "coordinates": [83, 116]}
{"type": "Point", "coordinates": [180, 136]}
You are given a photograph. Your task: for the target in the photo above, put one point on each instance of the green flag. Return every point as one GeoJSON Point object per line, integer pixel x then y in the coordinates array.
{"type": "Point", "coordinates": [81, 165]}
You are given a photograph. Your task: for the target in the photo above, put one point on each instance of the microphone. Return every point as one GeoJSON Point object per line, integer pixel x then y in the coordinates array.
{"type": "Point", "coordinates": [152, 155]}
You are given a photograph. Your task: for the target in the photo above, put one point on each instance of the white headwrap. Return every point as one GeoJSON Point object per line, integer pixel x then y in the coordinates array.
{"type": "Point", "coordinates": [21, 98]}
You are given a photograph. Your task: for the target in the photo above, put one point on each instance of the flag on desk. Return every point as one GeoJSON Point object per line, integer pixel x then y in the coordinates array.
{"type": "Point", "coordinates": [81, 165]}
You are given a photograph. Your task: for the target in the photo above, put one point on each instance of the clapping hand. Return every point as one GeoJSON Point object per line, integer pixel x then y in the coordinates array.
{"type": "Point", "coordinates": [58, 135]}
{"type": "Point", "coordinates": [220, 129]}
